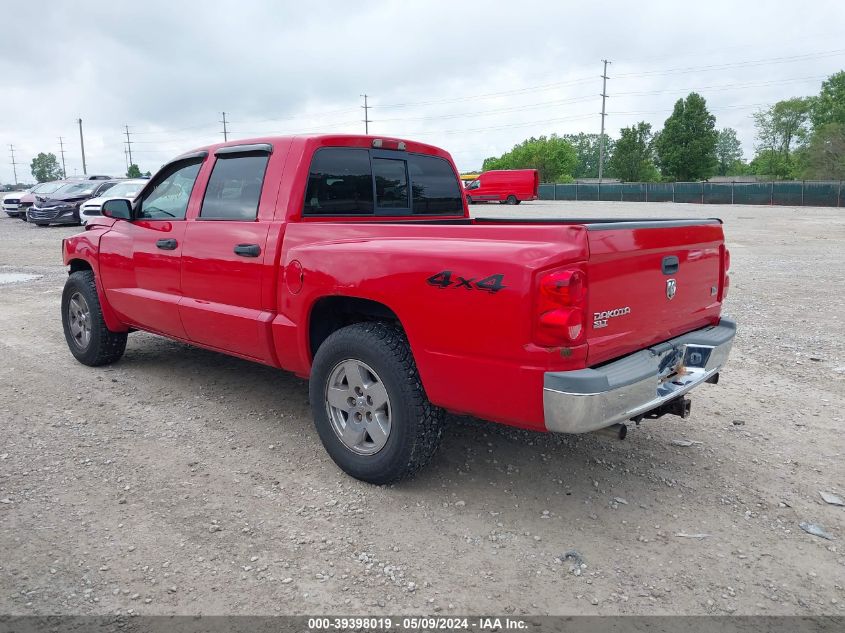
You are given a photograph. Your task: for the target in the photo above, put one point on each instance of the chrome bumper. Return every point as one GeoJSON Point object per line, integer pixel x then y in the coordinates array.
{"type": "Point", "coordinates": [590, 399]}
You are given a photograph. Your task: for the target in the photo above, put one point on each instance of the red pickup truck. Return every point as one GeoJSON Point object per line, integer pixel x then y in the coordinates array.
{"type": "Point", "coordinates": [352, 260]}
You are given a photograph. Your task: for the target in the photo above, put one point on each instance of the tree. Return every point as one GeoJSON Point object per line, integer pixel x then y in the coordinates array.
{"type": "Point", "coordinates": [728, 152]}
{"type": "Point", "coordinates": [829, 106]}
{"type": "Point", "coordinates": [552, 156]}
{"type": "Point", "coordinates": [587, 153]}
{"type": "Point", "coordinates": [780, 129]}
{"type": "Point", "coordinates": [133, 172]}
{"type": "Point", "coordinates": [686, 147]}
{"type": "Point", "coordinates": [825, 154]}
{"type": "Point", "coordinates": [633, 157]}
{"type": "Point", "coordinates": [45, 167]}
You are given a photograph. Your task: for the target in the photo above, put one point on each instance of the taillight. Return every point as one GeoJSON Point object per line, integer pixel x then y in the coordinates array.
{"type": "Point", "coordinates": [726, 282]}
{"type": "Point", "coordinates": [727, 260]}
{"type": "Point", "coordinates": [561, 308]}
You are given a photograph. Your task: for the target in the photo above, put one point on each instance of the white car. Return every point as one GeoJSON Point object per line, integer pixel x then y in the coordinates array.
{"type": "Point", "coordinates": [125, 189]}
{"type": "Point", "coordinates": [12, 203]}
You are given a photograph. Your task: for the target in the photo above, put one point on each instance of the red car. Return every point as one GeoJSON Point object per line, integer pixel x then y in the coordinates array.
{"type": "Point", "coordinates": [352, 260]}
{"type": "Point", "coordinates": [509, 186]}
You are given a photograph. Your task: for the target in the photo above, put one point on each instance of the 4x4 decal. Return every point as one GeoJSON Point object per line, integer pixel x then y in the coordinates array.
{"type": "Point", "coordinates": [444, 279]}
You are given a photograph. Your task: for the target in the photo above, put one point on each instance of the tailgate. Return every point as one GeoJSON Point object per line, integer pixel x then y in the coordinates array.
{"type": "Point", "coordinates": [651, 281]}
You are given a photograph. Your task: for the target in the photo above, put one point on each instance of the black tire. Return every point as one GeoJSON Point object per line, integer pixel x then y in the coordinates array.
{"type": "Point", "coordinates": [511, 199]}
{"type": "Point", "coordinates": [41, 224]}
{"type": "Point", "coordinates": [23, 217]}
{"type": "Point", "coordinates": [469, 199]}
{"type": "Point", "coordinates": [416, 426]}
{"type": "Point", "coordinates": [103, 346]}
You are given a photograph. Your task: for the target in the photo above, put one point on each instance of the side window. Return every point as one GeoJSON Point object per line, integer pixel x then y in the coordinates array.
{"type": "Point", "coordinates": [234, 187]}
{"type": "Point", "coordinates": [391, 183]}
{"type": "Point", "coordinates": [340, 182]}
{"type": "Point", "coordinates": [435, 186]}
{"type": "Point", "coordinates": [168, 200]}
{"type": "Point", "coordinates": [102, 189]}
{"type": "Point", "coordinates": [475, 184]}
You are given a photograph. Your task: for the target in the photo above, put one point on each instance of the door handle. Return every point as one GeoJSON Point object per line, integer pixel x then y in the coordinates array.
{"type": "Point", "coordinates": [167, 245]}
{"type": "Point", "coordinates": [670, 265]}
{"type": "Point", "coordinates": [248, 250]}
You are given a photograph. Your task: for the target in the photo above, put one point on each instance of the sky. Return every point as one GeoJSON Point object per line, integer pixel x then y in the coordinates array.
{"type": "Point", "coordinates": [475, 78]}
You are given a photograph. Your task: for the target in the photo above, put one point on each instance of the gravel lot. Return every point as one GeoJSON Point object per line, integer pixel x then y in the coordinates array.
{"type": "Point", "coordinates": [183, 481]}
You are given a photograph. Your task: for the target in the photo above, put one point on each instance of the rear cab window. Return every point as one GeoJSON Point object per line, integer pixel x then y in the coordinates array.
{"type": "Point", "coordinates": [348, 181]}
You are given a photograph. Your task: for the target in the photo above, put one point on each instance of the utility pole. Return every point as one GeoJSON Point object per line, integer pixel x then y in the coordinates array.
{"type": "Point", "coordinates": [82, 147]}
{"type": "Point", "coordinates": [14, 164]}
{"type": "Point", "coordinates": [367, 120]}
{"type": "Point", "coordinates": [129, 146]}
{"type": "Point", "coordinates": [62, 152]}
{"type": "Point", "coordinates": [225, 129]}
{"type": "Point", "coordinates": [603, 114]}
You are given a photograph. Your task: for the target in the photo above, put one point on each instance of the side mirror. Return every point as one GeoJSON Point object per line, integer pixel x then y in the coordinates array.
{"type": "Point", "coordinates": [117, 208]}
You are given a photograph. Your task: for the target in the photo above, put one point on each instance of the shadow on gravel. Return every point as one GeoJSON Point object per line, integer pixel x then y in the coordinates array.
{"type": "Point", "coordinates": [475, 454]}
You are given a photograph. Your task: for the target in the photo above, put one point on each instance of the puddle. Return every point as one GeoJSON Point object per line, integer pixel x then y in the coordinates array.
{"type": "Point", "coordinates": [16, 278]}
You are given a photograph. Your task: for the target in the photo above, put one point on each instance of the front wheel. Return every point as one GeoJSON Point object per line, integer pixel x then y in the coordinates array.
{"type": "Point", "coordinates": [469, 199]}
{"type": "Point", "coordinates": [369, 406]}
{"type": "Point", "coordinates": [88, 338]}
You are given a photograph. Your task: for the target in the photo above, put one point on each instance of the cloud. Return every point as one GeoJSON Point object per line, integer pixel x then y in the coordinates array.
{"type": "Point", "coordinates": [472, 77]}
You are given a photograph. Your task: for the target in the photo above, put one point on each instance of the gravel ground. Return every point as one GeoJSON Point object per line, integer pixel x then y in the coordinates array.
{"type": "Point", "coordinates": [183, 481]}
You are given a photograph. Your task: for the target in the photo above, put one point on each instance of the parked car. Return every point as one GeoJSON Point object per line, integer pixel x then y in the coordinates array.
{"type": "Point", "coordinates": [352, 260]}
{"type": "Point", "coordinates": [12, 203]}
{"type": "Point", "coordinates": [16, 203]}
{"type": "Point", "coordinates": [509, 186]}
{"type": "Point", "coordinates": [122, 189]}
{"type": "Point", "coordinates": [28, 197]}
{"type": "Point", "coordinates": [62, 205]}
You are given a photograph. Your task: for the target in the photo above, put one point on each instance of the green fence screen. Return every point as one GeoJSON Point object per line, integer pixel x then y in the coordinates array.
{"type": "Point", "coordinates": [807, 193]}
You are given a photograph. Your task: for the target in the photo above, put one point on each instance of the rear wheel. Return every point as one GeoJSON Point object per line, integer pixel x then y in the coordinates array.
{"type": "Point", "coordinates": [511, 200]}
{"type": "Point", "coordinates": [369, 407]}
{"type": "Point", "coordinates": [88, 338]}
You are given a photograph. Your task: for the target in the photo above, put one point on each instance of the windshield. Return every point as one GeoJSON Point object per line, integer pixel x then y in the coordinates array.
{"type": "Point", "coordinates": [46, 187]}
{"type": "Point", "coordinates": [125, 190]}
{"type": "Point", "coordinates": [76, 189]}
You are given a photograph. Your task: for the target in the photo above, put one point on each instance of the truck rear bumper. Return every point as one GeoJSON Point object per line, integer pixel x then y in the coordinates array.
{"type": "Point", "coordinates": [591, 399]}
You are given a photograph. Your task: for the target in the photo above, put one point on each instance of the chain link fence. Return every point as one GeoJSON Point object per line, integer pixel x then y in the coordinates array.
{"type": "Point", "coordinates": [808, 193]}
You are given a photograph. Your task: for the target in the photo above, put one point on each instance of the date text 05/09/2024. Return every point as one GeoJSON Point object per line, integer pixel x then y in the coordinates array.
{"type": "Point", "coordinates": [417, 624]}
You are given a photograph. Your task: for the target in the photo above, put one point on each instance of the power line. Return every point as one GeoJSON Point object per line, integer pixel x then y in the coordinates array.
{"type": "Point", "coordinates": [225, 129]}
{"type": "Point", "coordinates": [129, 147]}
{"type": "Point", "coordinates": [62, 152]}
{"type": "Point", "coordinates": [519, 108]}
{"type": "Point", "coordinates": [366, 115]}
{"type": "Point", "coordinates": [603, 114]}
{"type": "Point", "coordinates": [14, 164]}
{"type": "Point", "coordinates": [503, 93]}
{"type": "Point", "coordinates": [743, 64]}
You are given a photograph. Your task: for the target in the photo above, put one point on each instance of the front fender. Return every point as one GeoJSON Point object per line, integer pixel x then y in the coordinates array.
{"type": "Point", "coordinates": [80, 252]}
